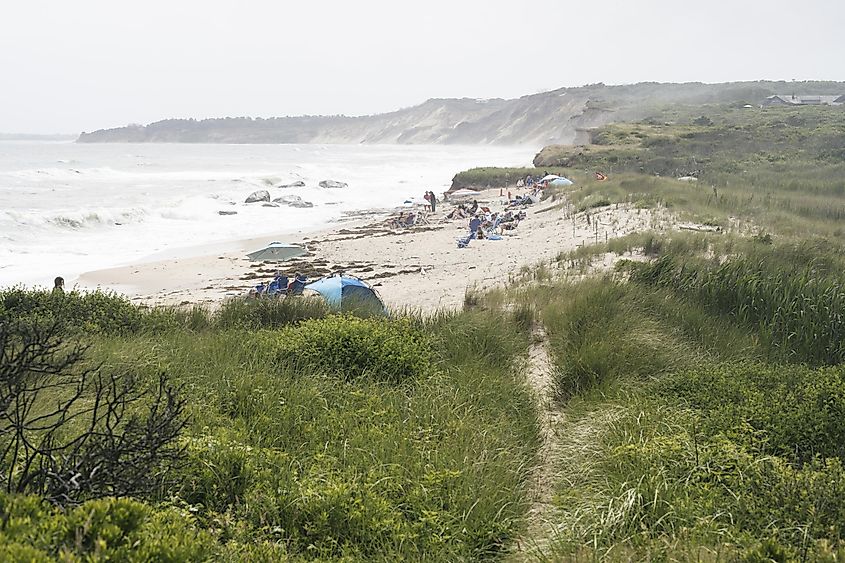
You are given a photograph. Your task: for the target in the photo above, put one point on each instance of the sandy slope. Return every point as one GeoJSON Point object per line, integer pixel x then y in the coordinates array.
{"type": "Point", "coordinates": [418, 268]}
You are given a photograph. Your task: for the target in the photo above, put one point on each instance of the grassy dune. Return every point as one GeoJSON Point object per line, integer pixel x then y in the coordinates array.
{"type": "Point", "coordinates": [411, 443]}
{"type": "Point", "coordinates": [688, 433]}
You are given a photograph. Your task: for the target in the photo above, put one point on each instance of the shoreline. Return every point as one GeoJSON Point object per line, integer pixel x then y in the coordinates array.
{"type": "Point", "coordinates": [417, 268]}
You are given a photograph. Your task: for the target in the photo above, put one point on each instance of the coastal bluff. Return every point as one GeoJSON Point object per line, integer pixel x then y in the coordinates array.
{"type": "Point", "coordinates": [561, 116]}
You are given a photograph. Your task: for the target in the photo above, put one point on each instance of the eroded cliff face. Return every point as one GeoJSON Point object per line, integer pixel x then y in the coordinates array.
{"type": "Point", "coordinates": [557, 117]}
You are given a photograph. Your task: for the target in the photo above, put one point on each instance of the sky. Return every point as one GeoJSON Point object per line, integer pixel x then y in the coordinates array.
{"type": "Point", "coordinates": [81, 65]}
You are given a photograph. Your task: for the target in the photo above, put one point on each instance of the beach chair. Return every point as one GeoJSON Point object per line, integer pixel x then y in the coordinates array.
{"type": "Point", "coordinates": [492, 228]}
{"type": "Point", "coordinates": [463, 242]}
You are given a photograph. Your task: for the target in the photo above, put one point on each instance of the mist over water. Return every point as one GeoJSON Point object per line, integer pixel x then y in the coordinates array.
{"type": "Point", "coordinates": [68, 208]}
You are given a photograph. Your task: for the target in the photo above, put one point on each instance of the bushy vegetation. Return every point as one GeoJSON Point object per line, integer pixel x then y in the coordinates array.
{"type": "Point", "coordinates": [492, 177]}
{"type": "Point", "coordinates": [100, 530]}
{"type": "Point", "coordinates": [100, 312]}
{"type": "Point", "coordinates": [309, 438]}
{"type": "Point", "coordinates": [348, 347]}
{"type": "Point", "coordinates": [719, 139]}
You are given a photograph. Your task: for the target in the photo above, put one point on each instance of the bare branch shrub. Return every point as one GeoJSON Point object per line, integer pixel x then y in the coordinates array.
{"type": "Point", "coordinates": [70, 433]}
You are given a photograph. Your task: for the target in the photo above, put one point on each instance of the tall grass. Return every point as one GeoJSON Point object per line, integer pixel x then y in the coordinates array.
{"type": "Point", "coordinates": [388, 452]}
{"type": "Point", "coordinates": [677, 442]}
{"type": "Point", "coordinates": [797, 309]}
{"type": "Point", "coordinates": [602, 330]}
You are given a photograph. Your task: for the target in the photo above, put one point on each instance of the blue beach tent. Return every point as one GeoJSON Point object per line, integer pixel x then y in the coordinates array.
{"type": "Point", "coordinates": [348, 293]}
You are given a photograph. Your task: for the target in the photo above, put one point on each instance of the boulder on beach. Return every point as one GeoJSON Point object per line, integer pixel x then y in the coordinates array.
{"type": "Point", "coordinates": [260, 195]}
{"type": "Point", "coordinates": [293, 201]}
{"type": "Point", "coordinates": [333, 184]}
{"type": "Point", "coordinates": [227, 212]}
{"type": "Point", "coordinates": [269, 205]}
{"type": "Point", "coordinates": [297, 184]}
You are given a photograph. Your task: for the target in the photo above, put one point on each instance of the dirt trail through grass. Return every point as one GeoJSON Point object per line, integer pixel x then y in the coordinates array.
{"type": "Point", "coordinates": [540, 528]}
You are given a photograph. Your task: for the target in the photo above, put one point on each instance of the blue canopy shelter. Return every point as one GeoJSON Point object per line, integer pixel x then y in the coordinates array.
{"type": "Point", "coordinates": [348, 293]}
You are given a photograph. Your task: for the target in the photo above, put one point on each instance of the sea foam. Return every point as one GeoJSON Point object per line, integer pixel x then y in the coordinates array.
{"type": "Point", "coordinates": [67, 208]}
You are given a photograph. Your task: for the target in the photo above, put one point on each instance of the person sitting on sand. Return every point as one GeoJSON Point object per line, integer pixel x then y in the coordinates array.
{"type": "Point", "coordinates": [59, 285]}
{"type": "Point", "coordinates": [398, 222]}
{"type": "Point", "coordinates": [474, 224]}
{"type": "Point", "coordinates": [258, 290]}
{"type": "Point", "coordinates": [474, 207]}
{"type": "Point", "coordinates": [278, 286]}
{"type": "Point", "coordinates": [459, 212]}
{"type": "Point", "coordinates": [297, 284]}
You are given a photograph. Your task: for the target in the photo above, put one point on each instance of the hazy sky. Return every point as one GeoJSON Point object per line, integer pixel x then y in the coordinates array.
{"type": "Point", "coordinates": [74, 65]}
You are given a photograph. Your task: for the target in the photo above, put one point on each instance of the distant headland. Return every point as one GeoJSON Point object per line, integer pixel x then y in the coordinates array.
{"type": "Point", "coordinates": [558, 116]}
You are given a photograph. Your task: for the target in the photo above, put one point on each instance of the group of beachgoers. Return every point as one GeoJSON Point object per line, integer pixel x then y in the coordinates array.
{"type": "Point", "coordinates": [483, 223]}
{"type": "Point", "coordinates": [279, 285]}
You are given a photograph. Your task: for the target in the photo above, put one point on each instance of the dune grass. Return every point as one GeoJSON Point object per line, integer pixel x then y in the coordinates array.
{"type": "Point", "coordinates": [321, 437]}
{"type": "Point", "coordinates": [692, 431]}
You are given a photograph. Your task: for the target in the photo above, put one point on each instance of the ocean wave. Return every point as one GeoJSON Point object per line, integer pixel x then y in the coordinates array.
{"type": "Point", "coordinates": [78, 220]}
{"type": "Point", "coordinates": [99, 218]}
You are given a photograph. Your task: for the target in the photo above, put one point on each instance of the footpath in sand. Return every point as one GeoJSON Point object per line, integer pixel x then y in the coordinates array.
{"type": "Point", "coordinates": [418, 268]}
{"type": "Point", "coordinates": [540, 519]}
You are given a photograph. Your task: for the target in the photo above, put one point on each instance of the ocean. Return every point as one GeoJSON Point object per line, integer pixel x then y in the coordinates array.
{"type": "Point", "coordinates": [68, 208]}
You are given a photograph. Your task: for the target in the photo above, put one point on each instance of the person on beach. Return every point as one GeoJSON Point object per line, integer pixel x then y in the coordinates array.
{"type": "Point", "coordinates": [433, 201]}
{"type": "Point", "coordinates": [474, 207]}
{"type": "Point", "coordinates": [258, 290]}
{"type": "Point", "coordinates": [59, 285]}
{"type": "Point", "coordinates": [297, 284]}
{"type": "Point", "coordinates": [474, 224]}
{"type": "Point", "coordinates": [278, 286]}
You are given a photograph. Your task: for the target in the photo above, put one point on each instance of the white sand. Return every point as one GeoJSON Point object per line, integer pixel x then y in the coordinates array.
{"type": "Point", "coordinates": [419, 268]}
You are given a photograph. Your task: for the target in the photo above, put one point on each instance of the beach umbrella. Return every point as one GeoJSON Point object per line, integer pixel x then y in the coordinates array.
{"type": "Point", "coordinates": [277, 252]}
{"type": "Point", "coordinates": [348, 293]}
{"type": "Point", "coordinates": [560, 181]}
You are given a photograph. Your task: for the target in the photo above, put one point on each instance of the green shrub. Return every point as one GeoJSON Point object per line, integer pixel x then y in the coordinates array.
{"type": "Point", "coordinates": [99, 530]}
{"type": "Point", "coordinates": [792, 411]}
{"type": "Point", "coordinates": [350, 347]}
{"type": "Point", "coordinates": [75, 311]}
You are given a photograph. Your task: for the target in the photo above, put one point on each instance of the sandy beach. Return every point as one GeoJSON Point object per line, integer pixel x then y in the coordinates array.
{"type": "Point", "coordinates": [420, 267]}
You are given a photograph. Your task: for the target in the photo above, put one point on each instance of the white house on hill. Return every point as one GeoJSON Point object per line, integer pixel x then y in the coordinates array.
{"type": "Point", "coordinates": [793, 100]}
